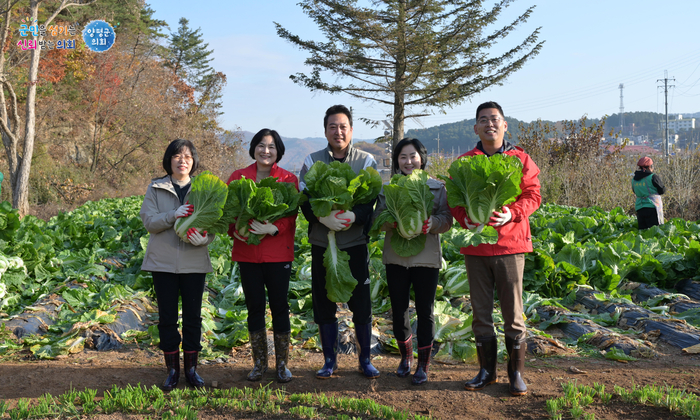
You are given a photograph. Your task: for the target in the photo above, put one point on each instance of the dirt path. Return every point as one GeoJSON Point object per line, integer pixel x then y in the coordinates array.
{"type": "Point", "coordinates": [442, 397]}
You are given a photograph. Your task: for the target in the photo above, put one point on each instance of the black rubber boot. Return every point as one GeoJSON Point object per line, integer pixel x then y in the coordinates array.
{"type": "Point", "coordinates": [282, 356]}
{"type": "Point", "coordinates": [364, 342]}
{"type": "Point", "coordinates": [329, 344]}
{"type": "Point", "coordinates": [258, 347]}
{"type": "Point", "coordinates": [191, 375]}
{"type": "Point", "coordinates": [487, 352]}
{"type": "Point", "coordinates": [172, 363]}
{"type": "Point", "coordinates": [406, 350]}
{"type": "Point", "coordinates": [421, 375]}
{"type": "Point", "coordinates": [516, 366]}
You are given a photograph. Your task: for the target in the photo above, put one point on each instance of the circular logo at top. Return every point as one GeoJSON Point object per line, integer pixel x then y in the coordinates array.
{"type": "Point", "coordinates": [99, 35]}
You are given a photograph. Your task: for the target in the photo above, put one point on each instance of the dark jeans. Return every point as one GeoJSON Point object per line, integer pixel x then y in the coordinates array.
{"type": "Point", "coordinates": [424, 281]}
{"type": "Point", "coordinates": [360, 302]}
{"type": "Point", "coordinates": [647, 217]}
{"type": "Point", "coordinates": [169, 288]}
{"type": "Point", "coordinates": [255, 278]}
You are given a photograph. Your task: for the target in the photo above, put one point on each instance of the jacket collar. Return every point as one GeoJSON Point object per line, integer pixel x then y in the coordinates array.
{"type": "Point", "coordinates": [330, 151]}
{"type": "Point", "coordinates": [251, 171]}
{"type": "Point", "coordinates": [506, 146]}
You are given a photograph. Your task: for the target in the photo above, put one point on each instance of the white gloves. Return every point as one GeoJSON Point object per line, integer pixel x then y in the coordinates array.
{"type": "Point", "coordinates": [469, 226]}
{"type": "Point", "coordinates": [338, 220]}
{"type": "Point", "coordinates": [263, 228]}
{"type": "Point", "coordinates": [427, 225]}
{"type": "Point", "coordinates": [196, 238]}
{"type": "Point", "coordinates": [239, 236]}
{"type": "Point", "coordinates": [500, 219]}
{"type": "Point", "coordinates": [184, 210]}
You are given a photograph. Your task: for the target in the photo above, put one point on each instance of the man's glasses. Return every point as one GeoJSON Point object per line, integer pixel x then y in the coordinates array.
{"type": "Point", "coordinates": [486, 121]}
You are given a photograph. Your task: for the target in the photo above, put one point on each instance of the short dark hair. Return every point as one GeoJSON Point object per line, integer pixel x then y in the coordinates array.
{"type": "Point", "coordinates": [422, 151]}
{"type": "Point", "coordinates": [260, 135]}
{"type": "Point", "coordinates": [488, 105]}
{"type": "Point", "coordinates": [336, 109]}
{"type": "Point", "coordinates": [176, 147]}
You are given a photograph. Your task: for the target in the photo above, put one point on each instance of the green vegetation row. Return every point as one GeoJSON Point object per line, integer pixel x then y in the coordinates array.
{"type": "Point", "coordinates": [185, 404]}
{"type": "Point", "coordinates": [577, 398]}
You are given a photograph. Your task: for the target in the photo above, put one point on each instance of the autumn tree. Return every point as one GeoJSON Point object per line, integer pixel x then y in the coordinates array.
{"type": "Point", "coordinates": [19, 146]}
{"type": "Point", "coordinates": [415, 55]}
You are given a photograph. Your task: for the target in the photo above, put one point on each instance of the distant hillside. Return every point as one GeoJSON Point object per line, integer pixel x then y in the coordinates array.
{"type": "Point", "coordinates": [458, 136]}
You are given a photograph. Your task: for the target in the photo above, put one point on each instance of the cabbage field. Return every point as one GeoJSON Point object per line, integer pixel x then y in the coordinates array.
{"type": "Point", "coordinates": [74, 282]}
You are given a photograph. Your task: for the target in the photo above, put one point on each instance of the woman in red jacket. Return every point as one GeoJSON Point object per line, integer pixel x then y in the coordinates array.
{"type": "Point", "coordinates": [269, 264]}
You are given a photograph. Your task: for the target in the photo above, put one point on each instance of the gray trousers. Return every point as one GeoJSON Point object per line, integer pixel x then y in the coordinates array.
{"type": "Point", "coordinates": [505, 273]}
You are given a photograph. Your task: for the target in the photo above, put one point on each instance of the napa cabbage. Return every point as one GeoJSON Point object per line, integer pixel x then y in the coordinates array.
{"type": "Point", "coordinates": [409, 203]}
{"type": "Point", "coordinates": [208, 196]}
{"type": "Point", "coordinates": [336, 186]}
{"type": "Point", "coordinates": [266, 200]}
{"type": "Point", "coordinates": [482, 185]}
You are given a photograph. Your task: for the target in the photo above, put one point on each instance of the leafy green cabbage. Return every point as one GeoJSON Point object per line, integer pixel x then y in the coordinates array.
{"type": "Point", "coordinates": [337, 187]}
{"type": "Point", "coordinates": [482, 185]}
{"type": "Point", "coordinates": [409, 203]}
{"type": "Point", "coordinates": [267, 200]}
{"type": "Point", "coordinates": [208, 196]}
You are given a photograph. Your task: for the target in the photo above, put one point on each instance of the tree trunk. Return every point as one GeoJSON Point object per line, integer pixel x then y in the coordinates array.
{"type": "Point", "coordinates": [399, 81]}
{"type": "Point", "coordinates": [20, 190]}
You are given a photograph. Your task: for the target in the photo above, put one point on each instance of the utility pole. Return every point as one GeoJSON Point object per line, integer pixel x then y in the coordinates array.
{"type": "Point", "coordinates": [438, 142]}
{"type": "Point", "coordinates": [666, 86]}
{"type": "Point", "coordinates": [622, 112]}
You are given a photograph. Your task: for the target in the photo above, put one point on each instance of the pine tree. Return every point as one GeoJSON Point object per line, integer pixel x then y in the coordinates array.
{"type": "Point", "coordinates": [189, 58]}
{"type": "Point", "coordinates": [424, 54]}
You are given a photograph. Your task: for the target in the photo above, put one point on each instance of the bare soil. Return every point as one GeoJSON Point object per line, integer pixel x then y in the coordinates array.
{"type": "Point", "coordinates": [442, 397]}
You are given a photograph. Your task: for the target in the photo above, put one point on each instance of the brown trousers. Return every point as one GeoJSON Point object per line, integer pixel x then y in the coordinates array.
{"type": "Point", "coordinates": [505, 273]}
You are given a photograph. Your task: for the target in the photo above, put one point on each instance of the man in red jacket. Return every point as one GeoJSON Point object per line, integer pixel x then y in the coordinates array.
{"type": "Point", "coordinates": [500, 265]}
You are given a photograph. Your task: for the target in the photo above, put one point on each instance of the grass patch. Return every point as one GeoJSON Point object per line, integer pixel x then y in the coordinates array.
{"type": "Point", "coordinates": [184, 404]}
{"type": "Point", "coordinates": [577, 397]}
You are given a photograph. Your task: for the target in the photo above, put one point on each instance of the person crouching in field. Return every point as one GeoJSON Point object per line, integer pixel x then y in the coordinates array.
{"type": "Point", "coordinates": [420, 271]}
{"type": "Point", "coordinates": [179, 268]}
{"type": "Point", "coordinates": [267, 265]}
{"type": "Point", "coordinates": [648, 188]}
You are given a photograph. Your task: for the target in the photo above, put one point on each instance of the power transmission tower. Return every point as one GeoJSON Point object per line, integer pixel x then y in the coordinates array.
{"type": "Point", "coordinates": [622, 111]}
{"type": "Point", "coordinates": [666, 86]}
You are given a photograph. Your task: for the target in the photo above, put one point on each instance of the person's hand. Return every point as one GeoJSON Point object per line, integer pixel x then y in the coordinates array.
{"type": "Point", "coordinates": [239, 237]}
{"type": "Point", "coordinates": [238, 234]}
{"type": "Point", "coordinates": [470, 226]}
{"type": "Point", "coordinates": [184, 210]}
{"type": "Point", "coordinates": [427, 225]}
{"type": "Point", "coordinates": [263, 228]}
{"type": "Point", "coordinates": [196, 238]}
{"type": "Point", "coordinates": [333, 222]}
{"type": "Point", "coordinates": [349, 217]}
{"type": "Point", "coordinates": [500, 219]}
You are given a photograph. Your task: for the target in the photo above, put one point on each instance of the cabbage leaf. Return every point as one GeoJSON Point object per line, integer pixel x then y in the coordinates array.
{"type": "Point", "coordinates": [208, 196]}
{"type": "Point", "coordinates": [335, 186]}
{"type": "Point", "coordinates": [266, 200]}
{"type": "Point", "coordinates": [482, 185]}
{"type": "Point", "coordinates": [409, 203]}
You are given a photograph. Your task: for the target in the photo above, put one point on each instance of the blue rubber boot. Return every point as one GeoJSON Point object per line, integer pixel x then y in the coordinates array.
{"type": "Point", "coordinates": [329, 344]}
{"type": "Point", "coordinates": [364, 341]}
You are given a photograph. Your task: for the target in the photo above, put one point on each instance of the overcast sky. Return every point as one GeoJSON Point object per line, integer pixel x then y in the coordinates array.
{"type": "Point", "coordinates": [591, 47]}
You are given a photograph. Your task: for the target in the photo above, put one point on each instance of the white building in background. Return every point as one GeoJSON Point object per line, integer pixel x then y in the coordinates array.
{"type": "Point", "coordinates": [679, 124]}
